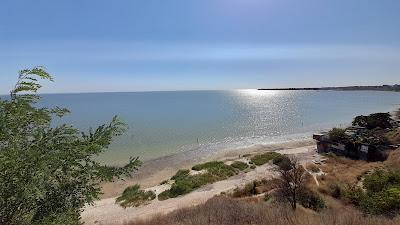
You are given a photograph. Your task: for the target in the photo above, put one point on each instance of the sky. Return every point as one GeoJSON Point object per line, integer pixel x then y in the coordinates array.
{"type": "Point", "coordinates": [152, 45]}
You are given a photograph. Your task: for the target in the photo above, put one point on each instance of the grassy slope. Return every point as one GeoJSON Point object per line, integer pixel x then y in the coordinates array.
{"type": "Point", "coordinates": [226, 211]}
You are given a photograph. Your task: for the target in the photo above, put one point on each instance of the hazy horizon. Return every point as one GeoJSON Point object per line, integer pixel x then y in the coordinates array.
{"type": "Point", "coordinates": [126, 46]}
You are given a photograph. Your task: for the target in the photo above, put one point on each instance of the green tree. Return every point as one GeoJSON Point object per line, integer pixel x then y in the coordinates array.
{"type": "Point", "coordinates": [338, 135]}
{"type": "Point", "coordinates": [48, 173]}
{"type": "Point", "coordinates": [372, 121]}
{"type": "Point", "coordinates": [291, 182]}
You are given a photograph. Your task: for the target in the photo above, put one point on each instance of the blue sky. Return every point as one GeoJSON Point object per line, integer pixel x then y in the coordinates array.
{"type": "Point", "coordinates": [132, 45]}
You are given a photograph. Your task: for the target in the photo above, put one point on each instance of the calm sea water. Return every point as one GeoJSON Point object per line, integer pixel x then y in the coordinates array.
{"type": "Point", "coordinates": [163, 123]}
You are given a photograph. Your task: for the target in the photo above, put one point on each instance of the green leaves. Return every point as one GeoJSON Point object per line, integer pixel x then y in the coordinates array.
{"type": "Point", "coordinates": [47, 174]}
{"type": "Point", "coordinates": [27, 81]}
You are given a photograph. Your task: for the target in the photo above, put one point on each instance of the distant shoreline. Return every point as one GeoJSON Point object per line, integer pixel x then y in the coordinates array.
{"type": "Point", "coordinates": [395, 88]}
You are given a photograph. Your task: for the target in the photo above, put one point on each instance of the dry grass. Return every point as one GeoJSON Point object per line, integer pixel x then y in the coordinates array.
{"type": "Point", "coordinates": [394, 136]}
{"type": "Point", "coordinates": [254, 188]}
{"type": "Point", "coordinates": [226, 211]}
{"type": "Point", "coordinates": [312, 167]}
{"type": "Point", "coordinates": [345, 171]}
{"type": "Point", "coordinates": [393, 161]}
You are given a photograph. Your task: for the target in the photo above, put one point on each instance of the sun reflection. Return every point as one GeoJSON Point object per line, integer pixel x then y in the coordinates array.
{"type": "Point", "coordinates": [258, 93]}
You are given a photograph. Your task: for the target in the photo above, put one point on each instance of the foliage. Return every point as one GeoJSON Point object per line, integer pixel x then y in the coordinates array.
{"type": "Point", "coordinates": [47, 172]}
{"type": "Point", "coordinates": [354, 194]}
{"type": "Point", "coordinates": [291, 182]}
{"type": "Point", "coordinates": [133, 196]}
{"type": "Point", "coordinates": [164, 182]}
{"type": "Point", "coordinates": [372, 121]}
{"type": "Point", "coordinates": [335, 190]}
{"type": "Point", "coordinates": [283, 162]}
{"type": "Point", "coordinates": [207, 165]}
{"type": "Point", "coordinates": [338, 135]}
{"type": "Point", "coordinates": [248, 190]}
{"type": "Point", "coordinates": [259, 160]}
{"type": "Point", "coordinates": [380, 180]}
{"type": "Point", "coordinates": [239, 165]}
{"type": "Point", "coordinates": [385, 202]}
{"type": "Point", "coordinates": [180, 174]}
{"type": "Point", "coordinates": [227, 211]}
{"type": "Point", "coordinates": [186, 183]}
{"type": "Point", "coordinates": [382, 195]}
{"type": "Point", "coordinates": [311, 200]}
{"type": "Point", "coordinates": [163, 196]}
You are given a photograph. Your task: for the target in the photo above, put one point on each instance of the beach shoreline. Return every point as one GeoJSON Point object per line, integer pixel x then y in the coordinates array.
{"type": "Point", "coordinates": [152, 172]}
{"type": "Point", "coordinates": [304, 151]}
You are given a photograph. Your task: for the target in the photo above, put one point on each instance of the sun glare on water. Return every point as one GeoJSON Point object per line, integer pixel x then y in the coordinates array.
{"type": "Point", "coordinates": [257, 93]}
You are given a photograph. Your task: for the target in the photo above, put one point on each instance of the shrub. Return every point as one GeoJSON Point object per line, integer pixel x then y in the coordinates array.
{"type": "Point", "coordinates": [311, 200]}
{"type": "Point", "coordinates": [186, 183]}
{"type": "Point", "coordinates": [221, 171]}
{"type": "Point", "coordinates": [267, 197]}
{"type": "Point", "coordinates": [239, 165]}
{"type": "Point", "coordinates": [133, 197]}
{"type": "Point", "coordinates": [180, 174]}
{"type": "Point", "coordinates": [248, 190]}
{"type": "Point", "coordinates": [372, 121]}
{"type": "Point", "coordinates": [163, 195]}
{"type": "Point", "coordinates": [164, 182]}
{"type": "Point", "coordinates": [207, 165]}
{"type": "Point", "coordinates": [335, 190]}
{"type": "Point", "coordinates": [380, 180]}
{"type": "Point", "coordinates": [354, 195]}
{"type": "Point", "coordinates": [382, 194]}
{"type": "Point", "coordinates": [283, 162]}
{"type": "Point", "coordinates": [264, 158]}
{"type": "Point", "coordinates": [384, 202]}
{"type": "Point", "coordinates": [181, 187]}
{"type": "Point", "coordinates": [338, 135]}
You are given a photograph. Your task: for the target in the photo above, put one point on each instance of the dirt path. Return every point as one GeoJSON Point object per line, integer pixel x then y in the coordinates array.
{"type": "Point", "coordinates": [106, 212]}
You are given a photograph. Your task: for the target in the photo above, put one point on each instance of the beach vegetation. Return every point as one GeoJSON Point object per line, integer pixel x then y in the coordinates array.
{"type": "Point", "coordinates": [374, 120]}
{"type": "Point", "coordinates": [282, 161]}
{"type": "Point", "coordinates": [186, 183]}
{"type": "Point", "coordinates": [48, 172]}
{"type": "Point", "coordinates": [255, 187]}
{"type": "Point", "coordinates": [338, 135]}
{"type": "Point", "coordinates": [311, 200]}
{"type": "Point", "coordinates": [261, 159]}
{"type": "Point", "coordinates": [227, 211]}
{"type": "Point", "coordinates": [207, 165]}
{"type": "Point", "coordinates": [291, 182]}
{"type": "Point", "coordinates": [240, 165]}
{"type": "Point", "coordinates": [380, 195]}
{"type": "Point", "coordinates": [133, 197]}
{"type": "Point", "coordinates": [180, 174]}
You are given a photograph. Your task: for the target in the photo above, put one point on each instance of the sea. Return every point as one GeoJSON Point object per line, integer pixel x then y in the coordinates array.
{"type": "Point", "coordinates": [205, 122]}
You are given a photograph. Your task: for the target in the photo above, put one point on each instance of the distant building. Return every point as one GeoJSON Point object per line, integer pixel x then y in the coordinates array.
{"type": "Point", "coordinates": [352, 150]}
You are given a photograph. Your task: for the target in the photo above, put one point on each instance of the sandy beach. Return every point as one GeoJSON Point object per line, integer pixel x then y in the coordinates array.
{"type": "Point", "coordinates": [105, 211]}
{"type": "Point", "coordinates": [152, 172]}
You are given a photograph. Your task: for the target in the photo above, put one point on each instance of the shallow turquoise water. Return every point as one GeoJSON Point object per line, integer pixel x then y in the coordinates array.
{"type": "Point", "coordinates": [162, 123]}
